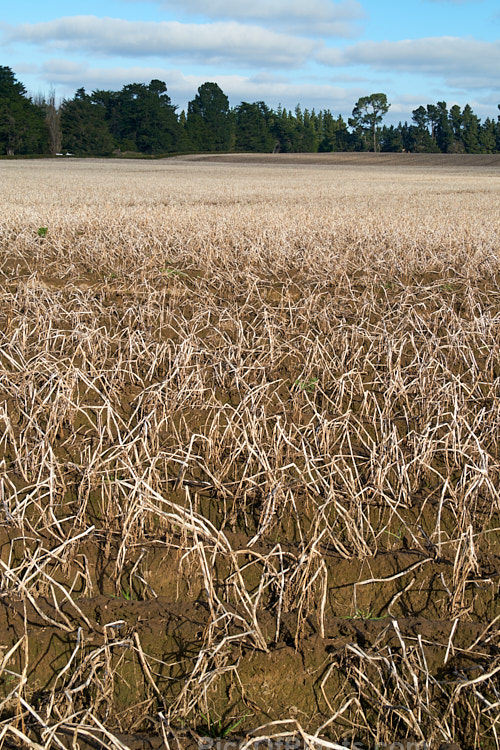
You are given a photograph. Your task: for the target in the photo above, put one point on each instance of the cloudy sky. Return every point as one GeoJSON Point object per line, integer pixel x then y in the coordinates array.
{"type": "Point", "coordinates": [319, 53]}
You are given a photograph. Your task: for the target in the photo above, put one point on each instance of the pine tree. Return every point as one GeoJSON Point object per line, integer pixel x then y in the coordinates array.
{"type": "Point", "coordinates": [391, 139]}
{"type": "Point", "coordinates": [253, 131]}
{"type": "Point", "coordinates": [84, 128]}
{"type": "Point", "coordinates": [22, 123]}
{"type": "Point", "coordinates": [421, 140]}
{"type": "Point", "coordinates": [444, 132]}
{"type": "Point", "coordinates": [142, 117]}
{"type": "Point", "coordinates": [283, 131]}
{"type": "Point", "coordinates": [209, 123]}
{"type": "Point", "coordinates": [471, 131]}
{"type": "Point", "coordinates": [456, 122]}
{"type": "Point", "coordinates": [487, 136]}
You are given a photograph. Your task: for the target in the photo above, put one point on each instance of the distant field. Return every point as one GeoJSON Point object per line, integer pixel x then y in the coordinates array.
{"type": "Point", "coordinates": [250, 450]}
{"type": "Point", "coordinates": [357, 159]}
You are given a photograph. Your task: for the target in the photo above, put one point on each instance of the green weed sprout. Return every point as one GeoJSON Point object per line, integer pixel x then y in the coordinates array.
{"type": "Point", "coordinates": [168, 271]}
{"type": "Point", "coordinates": [216, 729]}
{"type": "Point", "coordinates": [307, 385]}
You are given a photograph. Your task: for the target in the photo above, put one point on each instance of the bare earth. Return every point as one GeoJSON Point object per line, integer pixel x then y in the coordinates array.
{"type": "Point", "coordinates": [349, 159]}
{"type": "Point", "coordinates": [249, 450]}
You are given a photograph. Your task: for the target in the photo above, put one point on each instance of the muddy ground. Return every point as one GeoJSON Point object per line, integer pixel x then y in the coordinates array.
{"type": "Point", "coordinates": [232, 499]}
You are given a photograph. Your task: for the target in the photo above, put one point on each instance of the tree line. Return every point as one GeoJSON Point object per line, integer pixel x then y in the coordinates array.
{"type": "Point", "coordinates": [141, 119]}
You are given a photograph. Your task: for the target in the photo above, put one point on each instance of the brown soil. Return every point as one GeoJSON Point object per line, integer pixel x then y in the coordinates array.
{"type": "Point", "coordinates": [289, 512]}
{"type": "Point", "coordinates": [354, 159]}
{"type": "Point", "coordinates": [308, 665]}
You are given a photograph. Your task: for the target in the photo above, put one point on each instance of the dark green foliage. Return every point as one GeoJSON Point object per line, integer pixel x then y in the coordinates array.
{"type": "Point", "coordinates": [487, 137]}
{"type": "Point", "coordinates": [142, 119]}
{"type": "Point", "coordinates": [252, 123]}
{"type": "Point", "coordinates": [367, 114]}
{"type": "Point", "coordinates": [22, 123]}
{"type": "Point", "coordinates": [308, 140]}
{"type": "Point", "coordinates": [391, 139]}
{"type": "Point", "coordinates": [283, 131]}
{"type": "Point", "coordinates": [84, 126]}
{"type": "Point", "coordinates": [444, 130]}
{"type": "Point", "coordinates": [471, 127]}
{"type": "Point", "coordinates": [184, 144]}
{"type": "Point", "coordinates": [422, 135]}
{"type": "Point", "coordinates": [210, 123]}
{"type": "Point", "coordinates": [333, 133]}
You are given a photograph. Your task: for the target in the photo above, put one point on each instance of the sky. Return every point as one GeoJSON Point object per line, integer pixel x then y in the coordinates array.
{"type": "Point", "coordinates": [321, 54]}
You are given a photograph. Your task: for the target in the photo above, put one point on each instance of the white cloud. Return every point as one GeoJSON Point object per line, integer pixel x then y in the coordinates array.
{"type": "Point", "coordinates": [315, 17]}
{"type": "Point", "coordinates": [26, 68]}
{"type": "Point", "coordinates": [211, 43]}
{"type": "Point", "coordinates": [66, 76]}
{"type": "Point", "coordinates": [455, 59]}
{"type": "Point", "coordinates": [63, 68]}
{"type": "Point", "coordinates": [273, 89]}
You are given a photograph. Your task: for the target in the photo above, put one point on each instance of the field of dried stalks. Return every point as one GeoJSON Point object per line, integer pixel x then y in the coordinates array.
{"type": "Point", "coordinates": [249, 453]}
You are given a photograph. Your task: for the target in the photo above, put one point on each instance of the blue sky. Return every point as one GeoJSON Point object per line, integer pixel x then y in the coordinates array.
{"type": "Point", "coordinates": [319, 53]}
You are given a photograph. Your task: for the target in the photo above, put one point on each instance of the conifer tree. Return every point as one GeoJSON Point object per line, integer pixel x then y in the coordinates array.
{"type": "Point", "coordinates": [84, 127]}
{"type": "Point", "coordinates": [209, 120]}
{"type": "Point", "coordinates": [22, 123]}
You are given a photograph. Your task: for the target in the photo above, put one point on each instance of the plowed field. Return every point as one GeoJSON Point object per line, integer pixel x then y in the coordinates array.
{"type": "Point", "coordinates": [249, 452]}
